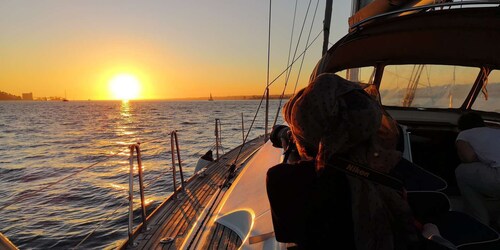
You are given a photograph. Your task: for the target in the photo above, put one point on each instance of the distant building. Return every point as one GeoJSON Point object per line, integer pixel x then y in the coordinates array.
{"type": "Point", "coordinates": [7, 96]}
{"type": "Point", "coordinates": [28, 96]}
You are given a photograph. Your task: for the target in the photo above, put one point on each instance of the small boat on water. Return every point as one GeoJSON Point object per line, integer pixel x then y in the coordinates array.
{"type": "Point", "coordinates": [210, 98]}
{"type": "Point", "coordinates": [427, 63]}
{"type": "Point", "coordinates": [65, 99]}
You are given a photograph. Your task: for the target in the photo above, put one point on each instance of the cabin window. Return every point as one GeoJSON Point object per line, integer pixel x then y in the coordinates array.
{"type": "Point", "coordinates": [489, 98]}
{"type": "Point", "coordinates": [363, 75]}
{"type": "Point", "coordinates": [426, 86]}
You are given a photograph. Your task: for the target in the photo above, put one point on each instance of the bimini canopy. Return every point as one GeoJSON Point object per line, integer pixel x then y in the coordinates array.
{"type": "Point", "coordinates": [468, 37]}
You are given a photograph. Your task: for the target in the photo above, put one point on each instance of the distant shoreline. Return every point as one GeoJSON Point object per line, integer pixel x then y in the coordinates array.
{"type": "Point", "coordinates": [220, 98]}
{"type": "Point", "coordinates": [242, 97]}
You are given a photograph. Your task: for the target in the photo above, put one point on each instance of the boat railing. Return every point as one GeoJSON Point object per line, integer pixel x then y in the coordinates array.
{"type": "Point", "coordinates": [175, 152]}
{"type": "Point", "coordinates": [437, 6]}
{"type": "Point", "coordinates": [174, 145]}
{"type": "Point", "coordinates": [136, 147]}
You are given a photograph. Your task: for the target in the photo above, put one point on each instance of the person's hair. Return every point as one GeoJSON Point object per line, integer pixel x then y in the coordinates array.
{"type": "Point", "coordinates": [470, 120]}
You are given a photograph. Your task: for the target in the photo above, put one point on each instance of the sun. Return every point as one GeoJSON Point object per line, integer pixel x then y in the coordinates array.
{"type": "Point", "coordinates": [125, 87]}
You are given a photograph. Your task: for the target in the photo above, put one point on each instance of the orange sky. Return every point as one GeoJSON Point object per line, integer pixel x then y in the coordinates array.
{"type": "Point", "coordinates": [176, 49]}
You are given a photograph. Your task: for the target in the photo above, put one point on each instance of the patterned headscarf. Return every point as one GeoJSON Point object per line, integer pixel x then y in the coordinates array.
{"type": "Point", "coordinates": [333, 116]}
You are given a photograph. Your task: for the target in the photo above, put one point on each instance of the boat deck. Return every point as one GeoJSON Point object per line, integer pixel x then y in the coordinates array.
{"type": "Point", "coordinates": [169, 224]}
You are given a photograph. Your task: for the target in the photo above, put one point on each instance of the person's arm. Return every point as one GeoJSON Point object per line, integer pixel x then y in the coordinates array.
{"type": "Point", "coordinates": [465, 152]}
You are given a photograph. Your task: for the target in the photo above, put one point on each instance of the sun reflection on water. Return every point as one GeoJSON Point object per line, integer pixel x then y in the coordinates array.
{"type": "Point", "coordinates": [124, 128]}
{"type": "Point", "coordinates": [125, 109]}
{"type": "Point", "coordinates": [118, 187]}
{"type": "Point", "coordinates": [125, 166]}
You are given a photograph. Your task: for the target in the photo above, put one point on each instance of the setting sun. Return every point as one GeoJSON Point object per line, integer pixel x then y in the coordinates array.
{"type": "Point", "coordinates": [125, 87]}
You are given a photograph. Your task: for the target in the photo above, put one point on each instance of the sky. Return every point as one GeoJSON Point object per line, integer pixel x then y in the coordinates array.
{"type": "Point", "coordinates": [172, 48]}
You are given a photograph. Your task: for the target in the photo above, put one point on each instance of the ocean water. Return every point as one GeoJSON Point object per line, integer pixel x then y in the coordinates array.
{"type": "Point", "coordinates": [64, 165]}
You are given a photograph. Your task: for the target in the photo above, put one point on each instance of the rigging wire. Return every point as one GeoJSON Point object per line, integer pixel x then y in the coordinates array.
{"type": "Point", "coordinates": [291, 42]}
{"type": "Point", "coordinates": [263, 95]}
{"type": "Point", "coordinates": [250, 128]}
{"type": "Point", "coordinates": [304, 56]}
{"type": "Point", "coordinates": [300, 35]}
{"type": "Point", "coordinates": [290, 69]}
{"type": "Point", "coordinates": [294, 61]}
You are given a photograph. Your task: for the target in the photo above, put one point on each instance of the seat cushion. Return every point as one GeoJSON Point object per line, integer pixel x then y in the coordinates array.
{"type": "Point", "coordinates": [466, 232]}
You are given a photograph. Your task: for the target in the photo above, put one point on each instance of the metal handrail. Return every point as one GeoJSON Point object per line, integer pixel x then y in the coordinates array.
{"type": "Point", "coordinates": [174, 140]}
{"type": "Point", "coordinates": [135, 147]}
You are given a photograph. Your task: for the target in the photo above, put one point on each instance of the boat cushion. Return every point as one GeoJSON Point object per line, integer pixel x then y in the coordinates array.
{"type": "Point", "coordinates": [462, 230]}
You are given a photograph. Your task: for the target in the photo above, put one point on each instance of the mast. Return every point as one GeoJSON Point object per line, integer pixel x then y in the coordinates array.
{"type": "Point", "coordinates": [326, 25]}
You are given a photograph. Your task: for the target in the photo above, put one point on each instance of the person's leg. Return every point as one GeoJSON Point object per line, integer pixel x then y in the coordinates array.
{"type": "Point", "coordinates": [474, 181]}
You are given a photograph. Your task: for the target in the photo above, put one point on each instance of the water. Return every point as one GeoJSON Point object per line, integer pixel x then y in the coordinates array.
{"type": "Point", "coordinates": [44, 142]}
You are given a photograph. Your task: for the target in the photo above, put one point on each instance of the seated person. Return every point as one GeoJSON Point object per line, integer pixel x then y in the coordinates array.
{"type": "Point", "coordinates": [478, 176]}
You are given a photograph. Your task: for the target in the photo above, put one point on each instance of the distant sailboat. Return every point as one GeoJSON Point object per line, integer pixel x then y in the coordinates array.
{"type": "Point", "coordinates": [65, 99]}
{"type": "Point", "coordinates": [210, 99]}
